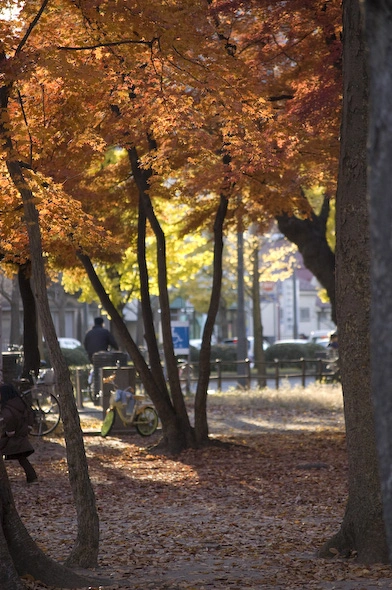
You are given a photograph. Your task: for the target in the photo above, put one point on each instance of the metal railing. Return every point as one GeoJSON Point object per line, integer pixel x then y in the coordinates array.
{"type": "Point", "coordinates": [245, 374]}
{"type": "Point", "coordinates": [248, 374]}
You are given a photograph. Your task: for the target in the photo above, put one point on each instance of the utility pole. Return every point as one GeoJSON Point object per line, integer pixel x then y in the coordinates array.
{"type": "Point", "coordinates": [295, 308]}
{"type": "Point", "coordinates": [242, 342]}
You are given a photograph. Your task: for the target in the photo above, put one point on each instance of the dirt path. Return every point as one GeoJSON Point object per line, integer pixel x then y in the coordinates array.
{"type": "Point", "coordinates": [247, 516]}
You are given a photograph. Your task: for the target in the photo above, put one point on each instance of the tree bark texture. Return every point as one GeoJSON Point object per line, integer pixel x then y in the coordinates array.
{"type": "Point", "coordinates": [19, 554]}
{"type": "Point", "coordinates": [85, 550]}
{"type": "Point", "coordinates": [309, 235]}
{"type": "Point", "coordinates": [362, 530]}
{"type": "Point", "coordinates": [378, 27]}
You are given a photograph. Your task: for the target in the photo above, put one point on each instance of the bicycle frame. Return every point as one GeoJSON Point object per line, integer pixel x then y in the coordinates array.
{"type": "Point", "coordinates": [140, 403]}
{"type": "Point", "coordinates": [44, 404]}
{"type": "Point", "coordinates": [142, 414]}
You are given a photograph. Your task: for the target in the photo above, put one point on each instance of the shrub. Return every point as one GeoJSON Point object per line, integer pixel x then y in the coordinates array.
{"type": "Point", "coordinates": [226, 353]}
{"type": "Point", "coordinates": [294, 351]}
{"type": "Point", "coordinates": [75, 357]}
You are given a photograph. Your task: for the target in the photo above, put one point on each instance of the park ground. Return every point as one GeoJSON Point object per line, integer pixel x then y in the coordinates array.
{"type": "Point", "coordinates": [250, 514]}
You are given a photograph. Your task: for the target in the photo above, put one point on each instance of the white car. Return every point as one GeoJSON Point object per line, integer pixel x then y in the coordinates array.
{"type": "Point", "coordinates": [321, 337]}
{"type": "Point", "coordinates": [69, 343]}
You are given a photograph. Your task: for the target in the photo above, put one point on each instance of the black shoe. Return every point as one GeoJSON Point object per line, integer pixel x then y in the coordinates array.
{"type": "Point", "coordinates": [32, 481]}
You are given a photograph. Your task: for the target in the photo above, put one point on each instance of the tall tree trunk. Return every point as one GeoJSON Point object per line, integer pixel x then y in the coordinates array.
{"type": "Point", "coordinates": [201, 424]}
{"type": "Point", "coordinates": [85, 551]}
{"type": "Point", "coordinates": [31, 353]}
{"type": "Point", "coordinates": [147, 312]}
{"type": "Point", "coordinates": [378, 19]}
{"type": "Point", "coordinates": [258, 334]}
{"type": "Point", "coordinates": [141, 178]}
{"type": "Point", "coordinates": [362, 530]}
{"type": "Point", "coordinates": [174, 439]}
{"type": "Point", "coordinates": [15, 331]}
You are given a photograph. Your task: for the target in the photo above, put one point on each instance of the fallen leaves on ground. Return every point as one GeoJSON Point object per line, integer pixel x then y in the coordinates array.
{"type": "Point", "coordinates": [250, 514]}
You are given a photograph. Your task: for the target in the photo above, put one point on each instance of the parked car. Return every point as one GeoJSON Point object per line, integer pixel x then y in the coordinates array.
{"type": "Point", "coordinates": [321, 337]}
{"type": "Point", "coordinates": [69, 343]}
{"type": "Point", "coordinates": [293, 349]}
{"type": "Point", "coordinates": [251, 345]}
{"type": "Point", "coordinates": [291, 341]}
{"type": "Point", "coordinates": [195, 342]}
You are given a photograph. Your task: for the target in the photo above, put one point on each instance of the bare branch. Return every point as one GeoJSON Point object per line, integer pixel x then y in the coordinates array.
{"type": "Point", "coordinates": [108, 44]}
{"type": "Point", "coordinates": [33, 23]}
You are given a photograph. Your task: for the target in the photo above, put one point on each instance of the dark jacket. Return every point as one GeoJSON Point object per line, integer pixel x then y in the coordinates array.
{"type": "Point", "coordinates": [98, 339]}
{"type": "Point", "coordinates": [17, 417]}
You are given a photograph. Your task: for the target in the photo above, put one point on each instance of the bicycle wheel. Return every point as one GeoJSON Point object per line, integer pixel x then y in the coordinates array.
{"type": "Point", "coordinates": [108, 422]}
{"type": "Point", "coordinates": [46, 413]}
{"type": "Point", "coordinates": [147, 421]}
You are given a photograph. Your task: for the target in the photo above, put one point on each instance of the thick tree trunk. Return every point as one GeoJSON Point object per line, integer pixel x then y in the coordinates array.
{"type": "Point", "coordinates": [378, 19]}
{"type": "Point", "coordinates": [362, 530]}
{"type": "Point", "coordinates": [309, 235]}
{"type": "Point", "coordinates": [19, 555]}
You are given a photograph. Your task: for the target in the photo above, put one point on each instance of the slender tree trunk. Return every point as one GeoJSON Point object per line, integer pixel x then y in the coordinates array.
{"type": "Point", "coordinates": [148, 316]}
{"type": "Point", "coordinates": [31, 353]}
{"type": "Point", "coordinates": [85, 550]}
{"type": "Point", "coordinates": [258, 335]}
{"type": "Point", "coordinates": [174, 439]}
{"type": "Point", "coordinates": [201, 424]}
{"type": "Point", "coordinates": [362, 530]}
{"type": "Point", "coordinates": [141, 178]}
{"type": "Point", "coordinates": [378, 19]}
{"type": "Point", "coordinates": [15, 331]}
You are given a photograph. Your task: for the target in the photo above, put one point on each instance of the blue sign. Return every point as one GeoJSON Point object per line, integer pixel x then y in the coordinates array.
{"type": "Point", "coordinates": [180, 335]}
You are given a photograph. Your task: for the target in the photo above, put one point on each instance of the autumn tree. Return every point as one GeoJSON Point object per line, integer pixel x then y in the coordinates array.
{"type": "Point", "coordinates": [123, 106]}
{"type": "Point", "coordinates": [203, 91]}
{"type": "Point", "coordinates": [302, 137]}
{"type": "Point", "coordinates": [17, 162]}
{"type": "Point", "coordinates": [362, 530]}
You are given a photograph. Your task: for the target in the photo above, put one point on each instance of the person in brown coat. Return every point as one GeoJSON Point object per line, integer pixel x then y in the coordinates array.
{"type": "Point", "coordinates": [14, 440]}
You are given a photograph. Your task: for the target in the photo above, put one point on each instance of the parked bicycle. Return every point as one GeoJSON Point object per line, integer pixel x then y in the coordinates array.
{"type": "Point", "coordinates": [93, 394]}
{"type": "Point", "coordinates": [39, 395]}
{"type": "Point", "coordinates": [133, 409]}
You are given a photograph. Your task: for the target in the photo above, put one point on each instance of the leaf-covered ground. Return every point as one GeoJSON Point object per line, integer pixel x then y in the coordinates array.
{"type": "Point", "coordinates": [247, 515]}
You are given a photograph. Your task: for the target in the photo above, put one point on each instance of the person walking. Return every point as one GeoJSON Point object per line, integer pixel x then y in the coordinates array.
{"type": "Point", "coordinates": [18, 420]}
{"type": "Point", "coordinates": [99, 339]}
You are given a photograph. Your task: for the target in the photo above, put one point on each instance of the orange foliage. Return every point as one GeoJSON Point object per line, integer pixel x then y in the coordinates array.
{"type": "Point", "coordinates": [257, 81]}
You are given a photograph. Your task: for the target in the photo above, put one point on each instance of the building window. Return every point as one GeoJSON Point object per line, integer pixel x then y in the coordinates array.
{"type": "Point", "coordinates": [304, 314]}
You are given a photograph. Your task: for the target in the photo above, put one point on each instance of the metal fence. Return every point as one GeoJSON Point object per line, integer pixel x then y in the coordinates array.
{"type": "Point", "coordinates": [275, 373]}
{"type": "Point", "coordinates": [243, 374]}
